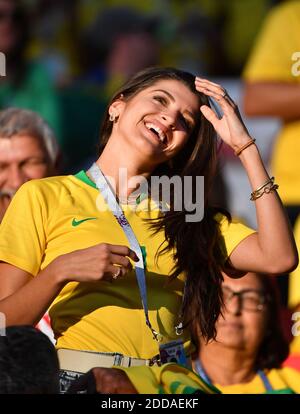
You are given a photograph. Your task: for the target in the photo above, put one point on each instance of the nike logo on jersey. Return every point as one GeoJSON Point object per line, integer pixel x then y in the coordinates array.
{"type": "Point", "coordinates": [76, 223]}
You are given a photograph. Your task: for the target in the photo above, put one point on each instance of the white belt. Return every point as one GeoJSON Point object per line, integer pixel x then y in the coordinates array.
{"type": "Point", "coordinates": [83, 361]}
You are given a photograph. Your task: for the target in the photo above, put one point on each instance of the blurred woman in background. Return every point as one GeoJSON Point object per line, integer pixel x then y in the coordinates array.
{"type": "Point", "coordinates": [249, 349]}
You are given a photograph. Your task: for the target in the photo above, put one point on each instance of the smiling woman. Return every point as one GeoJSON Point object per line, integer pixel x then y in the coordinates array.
{"type": "Point", "coordinates": [125, 287]}
{"type": "Point", "coordinates": [165, 113]}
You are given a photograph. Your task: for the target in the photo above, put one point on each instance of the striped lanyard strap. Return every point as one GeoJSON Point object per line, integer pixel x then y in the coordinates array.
{"type": "Point", "coordinates": [201, 372]}
{"type": "Point", "coordinates": [110, 199]}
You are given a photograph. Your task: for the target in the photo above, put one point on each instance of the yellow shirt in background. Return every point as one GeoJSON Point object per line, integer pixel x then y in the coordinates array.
{"type": "Point", "coordinates": [173, 379]}
{"type": "Point", "coordinates": [271, 60]}
{"type": "Point", "coordinates": [284, 380]}
{"type": "Point", "coordinates": [167, 379]}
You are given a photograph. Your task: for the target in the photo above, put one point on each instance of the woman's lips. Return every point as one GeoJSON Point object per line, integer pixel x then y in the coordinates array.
{"type": "Point", "coordinates": [233, 325]}
{"type": "Point", "coordinates": [153, 135]}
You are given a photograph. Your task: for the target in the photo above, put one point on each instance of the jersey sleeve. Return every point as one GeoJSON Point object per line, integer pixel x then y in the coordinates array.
{"type": "Point", "coordinates": [231, 234]}
{"type": "Point", "coordinates": [22, 231]}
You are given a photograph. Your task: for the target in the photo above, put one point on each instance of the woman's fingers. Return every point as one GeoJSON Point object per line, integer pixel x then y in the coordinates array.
{"type": "Point", "coordinates": [211, 86]}
{"type": "Point", "coordinates": [215, 91]}
{"type": "Point", "coordinates": [121, 260]}
{"type": "Point", "coordinates": [113, 273]}
{"type": "Point", "coordinates": [119, 264]}
{"type": "Point", "coordinates": [217, 95]}
{"type": "Point", "coordinates": [123, 251]}
{"type": "Point", "coordinates": [198, 79]}
{"type": "Point", "coordinates": [209, 114]}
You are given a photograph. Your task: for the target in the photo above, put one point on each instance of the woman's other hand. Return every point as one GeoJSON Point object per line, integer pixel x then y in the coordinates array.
{"type": "Point", "coordinates": [100, 262]}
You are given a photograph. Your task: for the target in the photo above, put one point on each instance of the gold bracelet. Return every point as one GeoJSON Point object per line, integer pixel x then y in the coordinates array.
{"type": "Point", "coordinates": [269, 181]}
{"type": "Point", "coordinates": [256, 192]}
{"type": "Point", "coordinates": [240, 150]}
{"type": "Point", "coordinates": [266, 188]}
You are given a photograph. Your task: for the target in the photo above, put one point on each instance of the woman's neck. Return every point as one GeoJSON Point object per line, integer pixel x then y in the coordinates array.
{"type": "Point", "coordinates": [121, 168]}
{"type": "Point", "coordinates": [226, 366]}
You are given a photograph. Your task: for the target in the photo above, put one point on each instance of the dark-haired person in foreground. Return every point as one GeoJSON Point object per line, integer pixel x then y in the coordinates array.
{"type": "Point", "coordinates": [114, 278]}
{"type": "Point", "coordinates": [28, 362]}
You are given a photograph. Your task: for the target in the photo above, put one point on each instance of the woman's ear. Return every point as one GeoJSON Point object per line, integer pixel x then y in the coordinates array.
{"type": "Point", "coordinates": [116, 109]}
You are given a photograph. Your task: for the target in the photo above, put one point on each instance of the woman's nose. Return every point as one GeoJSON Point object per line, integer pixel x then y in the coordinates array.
{"type": "Point", "coordinates": [235, 306]}
{"type": "Point", "coordinates": [169, 121]}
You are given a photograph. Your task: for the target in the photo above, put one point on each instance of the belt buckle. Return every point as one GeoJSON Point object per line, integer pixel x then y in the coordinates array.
{"type": "Point", "coordinates": [118, 359]}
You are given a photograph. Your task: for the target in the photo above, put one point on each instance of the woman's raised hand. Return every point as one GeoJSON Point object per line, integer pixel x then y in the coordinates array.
{"type": "Point", "coordinates": [100, 262]}
{"type": "Point", "coordinates": [230, 127]}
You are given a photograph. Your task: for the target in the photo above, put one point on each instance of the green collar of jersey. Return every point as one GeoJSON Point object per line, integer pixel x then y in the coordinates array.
{"type": "Point", "coordinates": [83, 177]}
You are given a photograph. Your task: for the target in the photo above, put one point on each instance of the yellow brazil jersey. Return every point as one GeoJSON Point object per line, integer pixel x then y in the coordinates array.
{"type": "Point", "coordinates": [272, 61]}
{"type": "Point", "coordinates": [284, 381]}
{"type": "Point", "coordinates": [167, 379]}
{"type": "Point", "coordinates": [171, 378]}
{"type": "Point", "coordinates": [54, 216]}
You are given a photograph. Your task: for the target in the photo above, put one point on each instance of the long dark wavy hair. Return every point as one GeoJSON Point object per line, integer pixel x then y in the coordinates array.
{"type": "Point", "coordinates": [197, 244]}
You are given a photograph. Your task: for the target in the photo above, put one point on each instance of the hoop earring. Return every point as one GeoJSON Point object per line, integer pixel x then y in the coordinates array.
{"type": "Point", "coordinates": [112, 116]}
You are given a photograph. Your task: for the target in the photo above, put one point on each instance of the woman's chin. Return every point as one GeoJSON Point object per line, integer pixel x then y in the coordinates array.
{"type": "Point", "coordinates": [151, 151]}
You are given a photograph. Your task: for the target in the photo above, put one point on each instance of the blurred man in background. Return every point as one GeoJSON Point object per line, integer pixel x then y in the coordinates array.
{"type": "Point", "coordinates": [28, 150]}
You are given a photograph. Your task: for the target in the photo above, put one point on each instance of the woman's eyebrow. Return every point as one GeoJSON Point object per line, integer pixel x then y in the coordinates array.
{"type": "Point", "coordinates": [167, 93]}
{"type": "Point", "coordinates": [192, 115]}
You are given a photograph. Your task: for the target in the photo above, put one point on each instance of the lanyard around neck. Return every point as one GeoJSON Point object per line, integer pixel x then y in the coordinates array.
{"type": "Point", "coordinates": [110, 199]}
{"type": "Point", "coordinates": [202, 373]}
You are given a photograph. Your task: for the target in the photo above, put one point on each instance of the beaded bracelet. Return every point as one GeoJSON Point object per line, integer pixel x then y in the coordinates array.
{"type": "Point", "coordinates": [238, 151]}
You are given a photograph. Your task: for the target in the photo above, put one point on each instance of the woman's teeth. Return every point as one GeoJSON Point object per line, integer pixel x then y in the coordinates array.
{"type": "Point", "coordinates": [154, 128]}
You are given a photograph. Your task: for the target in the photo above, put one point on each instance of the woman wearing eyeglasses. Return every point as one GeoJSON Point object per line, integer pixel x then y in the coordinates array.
{"type": "Point", "coordinates": [249, 349]}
